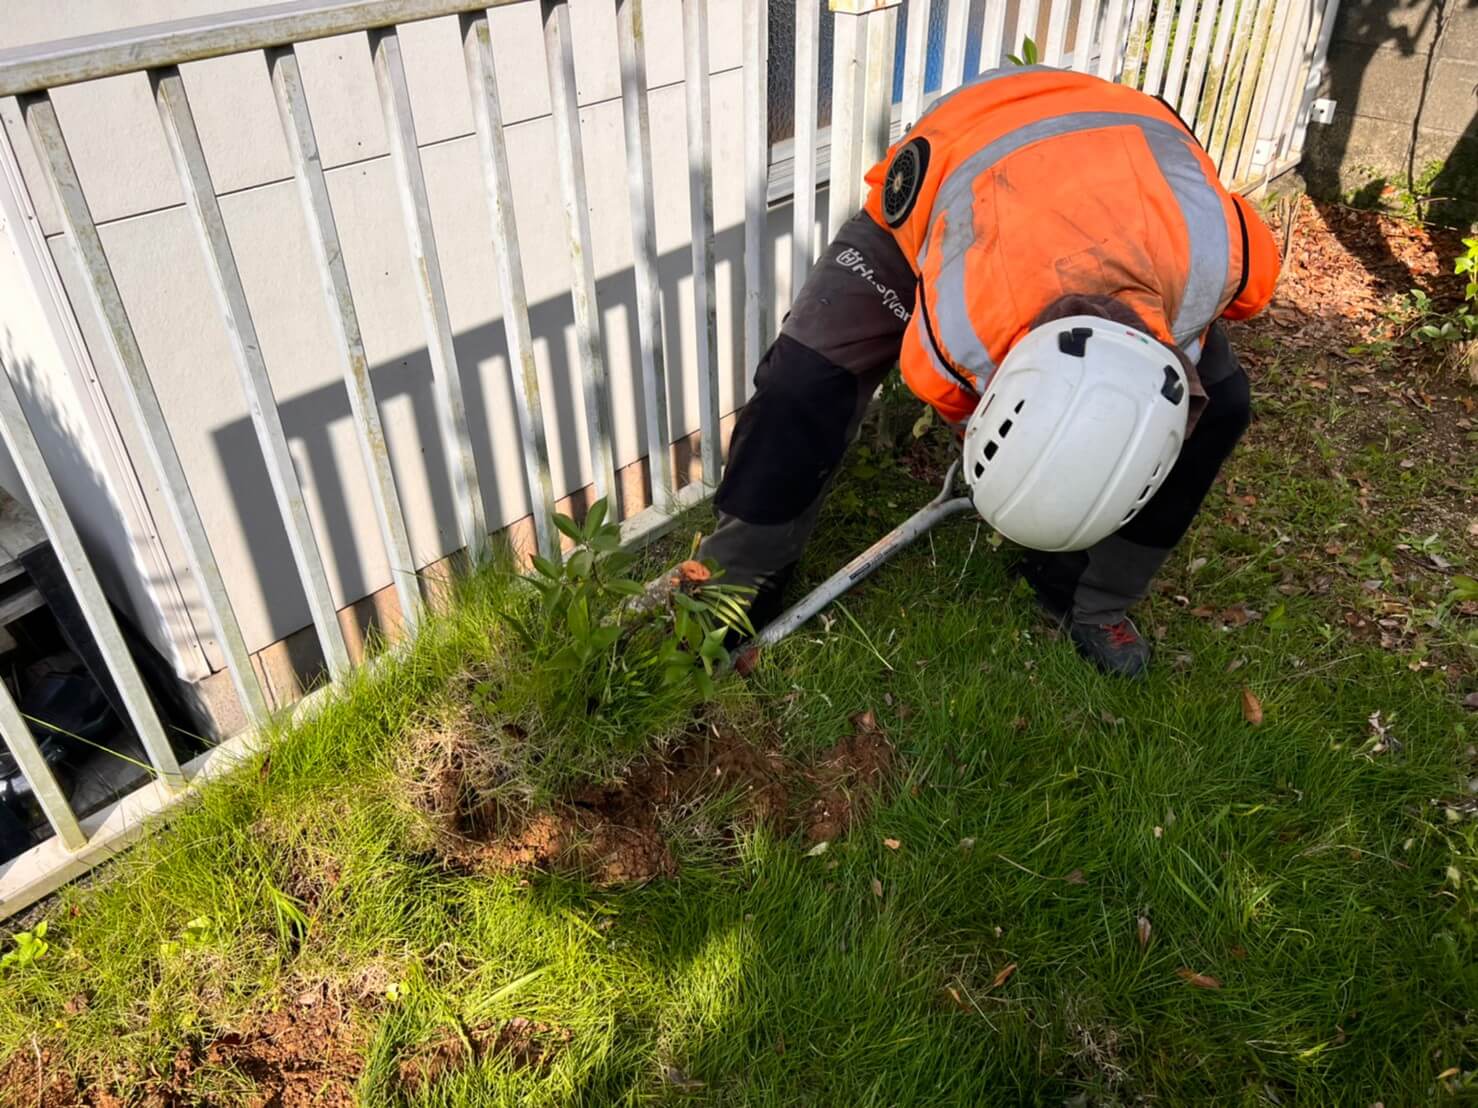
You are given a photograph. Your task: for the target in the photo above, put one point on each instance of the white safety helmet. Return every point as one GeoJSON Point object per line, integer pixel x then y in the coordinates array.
{"type": "Point", "coordinates": [1078, 427]}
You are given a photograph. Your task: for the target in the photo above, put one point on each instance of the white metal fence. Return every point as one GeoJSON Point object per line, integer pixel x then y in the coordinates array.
{"type": "Point", "coordinates": [1242, 72]}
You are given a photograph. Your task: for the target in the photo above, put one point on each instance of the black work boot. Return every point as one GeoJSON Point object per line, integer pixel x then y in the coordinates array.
{"type": "Point", "coordinates": [1115, 648]}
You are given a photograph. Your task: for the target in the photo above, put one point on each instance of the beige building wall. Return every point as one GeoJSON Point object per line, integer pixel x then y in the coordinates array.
{"type": "Point", "coordinates": [115, 137]}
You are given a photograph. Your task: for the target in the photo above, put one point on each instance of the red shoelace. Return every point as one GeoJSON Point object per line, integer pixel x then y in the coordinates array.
{"type": "Point", "coordinates": [1121, 633]}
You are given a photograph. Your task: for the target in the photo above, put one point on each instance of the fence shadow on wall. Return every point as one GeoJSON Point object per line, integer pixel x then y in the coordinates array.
{"type": "Point", "coordinates": [308, 419]}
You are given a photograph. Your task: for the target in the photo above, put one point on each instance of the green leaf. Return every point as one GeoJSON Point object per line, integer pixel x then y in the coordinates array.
{"type": "Point", "coordinates": [603, 638]}
{"type": "Point", "coordinates": [671, 675]}
{"type": "Point", "coordinates": [596, 516]}
{"type": "Point", "coordinates": [605, 544]}
{"type": "Point", "coordinates": [704, 682]}
{"type": "Point", "coordinates": [578, 618]}
{"type": "Point", "coordinates": [625, 586]}
{"type": "Point", "coordinates": [566, 659]}
{"type": "Point", "coordinates": [923, 423]}
{"type": "Point", "coordinates": [569, 527]}
{"type": "Point", "coordinates": [680, 624]}
{"type": "Point", "coordinates": [546, 567]}
{"type": "Point", "coordinates": [713, 645]}
{"type": "Point", "coordinates": [580, 564]}
{"type": "Point", "coordinates": [1463, 588]}
{"type": "Point", "coordinates": [686, 602]}
{"type": "Point", "coordinates": [618, 562]}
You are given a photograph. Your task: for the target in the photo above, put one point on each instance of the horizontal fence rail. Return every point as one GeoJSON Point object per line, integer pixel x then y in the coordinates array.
{"type": "Point", "coordinates": [1242, 73]}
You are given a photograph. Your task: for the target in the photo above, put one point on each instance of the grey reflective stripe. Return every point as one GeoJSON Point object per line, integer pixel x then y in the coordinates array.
{"type": "Point", "coordinates": [927, 343]}
{"type": "Point", "coordinates": [1205, 224]}
{"type": "Point", "coordinates": [984, 79]}
{"type": "Point", "coordinates": [1198, 198]}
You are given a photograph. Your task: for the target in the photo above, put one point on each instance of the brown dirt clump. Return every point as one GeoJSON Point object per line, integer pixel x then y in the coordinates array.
{"type": "Point", "coordinates": [619, 833]}
{"type": "Point", "coordinates": [299, 1055]}
{"type": "Point", "coordinates": [845, 779]}
{"type": "Point", "coordinates": [525, 1044]}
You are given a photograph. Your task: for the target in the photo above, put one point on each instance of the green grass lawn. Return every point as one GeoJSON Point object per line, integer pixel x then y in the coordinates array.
{"type": "Point", "coordinates": [1125, 847]}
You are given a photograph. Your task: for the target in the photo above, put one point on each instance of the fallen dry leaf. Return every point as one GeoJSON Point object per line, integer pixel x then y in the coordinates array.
{"type": "Point", "coordinates": [1251, 707]}
{"type": "Point", "coordinates": [1005, 975]}
{"type": "Point", "coordinates": [959, 1001]}
{"type": "Point", "coordinates": [877, 888]}
{"type": "Point", "coordinates": [746, 660]}
{"type": "Point", "coordinates": [1199, 980]}
{"type": "Point", "coordinates": [1159, 831]}
{"type": "Point", "coordinates": [819, 849]}
{"type": "Point", "coordinates": [1235, 664]}
{"type": "Point", "coordinates": [892, 844]}
{"type": "Point", "coordinates": [967, 844]}
{"type": "Point", "coordinates": [1142, 929]}
{"type": "Point", "coordinates": [865, 721]}
{"type": "Point", "coordinates": [780, 1045]}
{"type": "Point", "coordinates": [1076, 878]}
{"type": "Point", "coordinates": [1470, 702]}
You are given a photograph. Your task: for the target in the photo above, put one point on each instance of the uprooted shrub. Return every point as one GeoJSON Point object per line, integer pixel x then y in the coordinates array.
{"type": "Point", "coordinates": [598, 670]}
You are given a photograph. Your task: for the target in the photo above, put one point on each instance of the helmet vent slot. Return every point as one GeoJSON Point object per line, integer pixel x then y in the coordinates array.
{"type": "Point", "coordinates": [979, 469]}
{"type": "Point", "coordinates": [1129, 515]}
{"type": "Point", "coordinates": [1144, 495]}
{"type": "Point", "coordinates": [1156, 473]}
{"type": "Point", "coordinates": [991, 448]}
{"type": "Point", "coordinates": [1019, 405]}
{"type": "Point", "coordinates": [1005, 428]}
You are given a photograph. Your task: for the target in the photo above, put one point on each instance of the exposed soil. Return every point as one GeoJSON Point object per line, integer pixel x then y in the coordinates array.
{"type": "Point", "coordinates": [525, 1044]}
{"type": "Point", "coordinates": [620, 833]}
{"type": "Point", "coordinates": [302, 1054]}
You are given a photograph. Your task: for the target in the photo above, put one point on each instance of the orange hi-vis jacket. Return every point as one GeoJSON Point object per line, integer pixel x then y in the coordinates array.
{"type": "Point", "coordinates": [1032, 183]}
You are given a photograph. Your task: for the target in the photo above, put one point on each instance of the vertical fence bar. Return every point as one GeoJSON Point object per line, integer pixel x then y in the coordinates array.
{"type": "Point", "coordinates": [992, 34]}
{"type": "Point", "coordinates": [700, 208]}
{"type": "Point", "coordinates": [756, 180]}
{"type": "Point", "coordinates": [246, 351]}
{"type": "Point", "coordinates": [848, 62]}
{"type": "Point", "coordinates": [1216, 70]}
{"type": "Point", "coordinates": [1175, 73]}
{"type": "Point", "coordinates": [1083, 35]}
{"type": "Point", "coordinates": [1313, 79]}
{"type": "Point", "coordinates": [559, 57]}
{"type": "Point", "coordinates": [323, 234]}
{"type": "Point", "coordinates": [487, 118]}
{"type": "Point", "coordinates": [881, 26]}
{"type": "Point", "coordinates": [44, 785]}
{"type": "Point", "coordinates": [1154, 69]}
{"type": "Point", "coordinates": [956, 32]}
{"type": "Point", "coordinates": [410, 180]}
{"type": "Point", "coordinates": [1115, 36]}
{"type": "Point", "coordinates": [807, 64]}
{"type": "Point", "coordinates": [143, 402]}
{"type": "Point", "coordinates": [915, 60]}
{"type": "Point", "coordinates": [1056, 32]}
{"type": "Point", "coordinates": [1191, 92]}
{"type": "Point", "coordinates": [631, 42]}
{"type": "Point", "coordinates": [1249, 12]}
{"type": "Point", "coordinates": [46, 498]}
{"type": "Point", "coordinates": [1136, 40]}
{"type": "Point", "coordinates": [1027, 14]}
{"type": "Point", "coordinates": [1278, 122]}
{"type": "Point", "coordinates": [1243, 140]}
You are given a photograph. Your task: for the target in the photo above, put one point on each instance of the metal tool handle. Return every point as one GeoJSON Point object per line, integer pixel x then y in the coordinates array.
{"type": "Point", "coordinates": [940, 508]}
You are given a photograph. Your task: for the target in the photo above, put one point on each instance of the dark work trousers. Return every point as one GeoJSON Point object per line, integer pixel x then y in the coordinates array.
{"type": "Point", "coordinates": [839, 342]}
